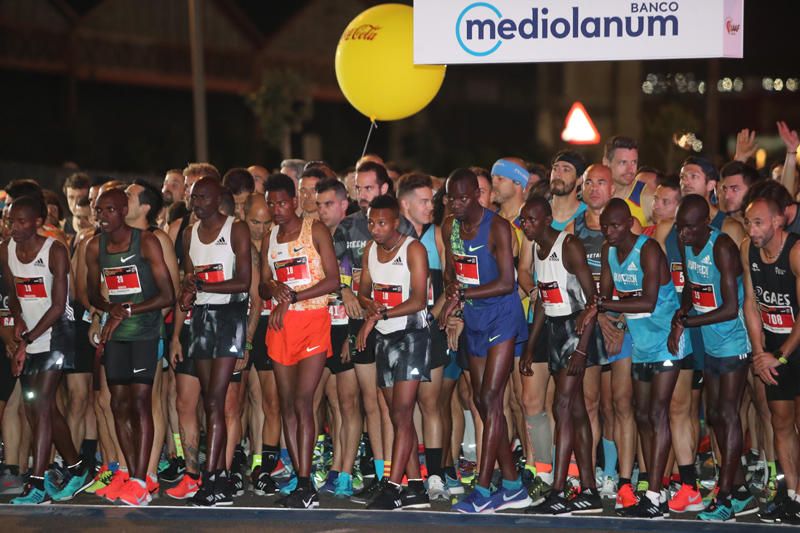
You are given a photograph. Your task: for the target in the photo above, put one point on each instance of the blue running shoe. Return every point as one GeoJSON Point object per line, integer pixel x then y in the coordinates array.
{"type": "Point", "coordinates": [32, 496]}
{"type": "Point", "coordinates": [343, 486]}
{"type": "Point", "coordinates": [454, 486]}
{"type": "Point", "coordinates": [289, 486]}
{"type": "Point", "coordinates": [718, 511]}
{"type": "Point", "coordinates": [511, 499]}
{"type": "Point", "coordinates": [74, 486]}
{"type": "Point", "coordinates": [745, 505]}
{"type": "Point", "coordinates": [330, 482]}
{"type": "Point", "coordinates": [475, 503]}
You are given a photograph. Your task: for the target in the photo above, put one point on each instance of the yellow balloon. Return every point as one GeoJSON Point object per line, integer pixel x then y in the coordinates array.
{"type": "Point", "coordinates": [375, 65]}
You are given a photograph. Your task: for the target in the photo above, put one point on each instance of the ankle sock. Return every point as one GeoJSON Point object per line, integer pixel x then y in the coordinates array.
{"type": "Point", "coordinates": [433, 461]}
{"type": "Point", "coordinates": [609, 458]}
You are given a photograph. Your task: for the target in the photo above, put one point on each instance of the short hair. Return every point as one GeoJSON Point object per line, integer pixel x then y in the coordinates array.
{"type": "Point", "coordinates": [151, 196]}
{"type": "Point", "coordinates": [408, 183]}
{"type": "Point", "coordinates": [177, 211]}
{"type": "Point", "coordinates": [295, 164]}
{"type": "Point", "coordinates": [174, 171]}
{"type": "Point", "coordinates": [651, 170]}
{"type": "Point", "coordinates": [34, 203]}
{"type": "Point", "coordinates": [705, 165]}
{"type": "Point", "coordinates": [99, 181]}
{"type": "Point", "coordinates": [538, 170]}
{"type": "Point", "coordinates": [480, 171]}
{"type": "Point", "coordinates": [540, 188]}
{"type": "Point", "coordinates": [394, 167]}
{"type": "Point", "coordinates": [51, 198]}
{"type": "Point", "coordinates": [463, 174]}
{"type": "Point", "coordinates": [239, 180]}
{"type": "Point", "coordinates": [313, 172]}
{"type": "Point", "coordinates": [83, 201]}
{"type": "Point", "coordinates": [380, 173]}
{"type": "Point", "coordinates": [749, 174]}
{"type": "Point", "coordinates": [280, 182]}
{"type": "Point", "coordinates": [615, 143]}
{"type": "Point", "coordinates": [672, 183]}
{"type": "Point", "coordinates": [438, 207]}
{"type": "Point", "coordinates": [386, 201]}
{"type": "Point", "coordinates": [772, 190]}
{"type": "Point", "coordinates": [201, 170]}
{"type": "Point", "coordinates": [541, 202]}
{"type": "Point", "coordinates": [24, 187]}
{"type": "Point", "coordinates": [332, 184]}
{"type": "Point", "coordinates": [227, 205]}
{"type": "Point", "coordinates": [78, 180]}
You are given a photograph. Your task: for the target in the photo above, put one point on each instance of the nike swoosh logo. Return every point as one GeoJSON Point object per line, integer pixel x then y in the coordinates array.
{"type": "Point", "coordinates": [312, 348]}
{"type": "Point", "coordinates": [306, 503]}
{"type": "Point", "coordinates": [512, 496]}
{"type": "Point", "coordinates": [492, 339]}
{"type": "Point", "coordinates": [126, 259]}
{"type": "Point", "coordinates": [473, 248]}
{"type": "Point", "coordinates": [137, 370]}
{"type": "Point", "coordinates": [299, 249]}
{"type": "Point", "coordinates": [480, 508]}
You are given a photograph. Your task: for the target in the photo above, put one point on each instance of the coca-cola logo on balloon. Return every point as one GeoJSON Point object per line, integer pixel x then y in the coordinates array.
{"type": "Point", "coordinates": [365, 32]}
{"type": "Point", "coordinates": [731, 27]}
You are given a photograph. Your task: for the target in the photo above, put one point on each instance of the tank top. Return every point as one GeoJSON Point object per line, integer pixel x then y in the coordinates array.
{"type": "Point", "coordinates": [776, 293]}
{"type": "Point", "coordinates": [559, 290]}
{"type": "Point", "coordinates": [297, 264]}
{"type": "Point", "coordinates": [560, 225]}
{"type": "Point", "coordinates": [5, 313]}
{"type": "Point", "coordinates": [33, 283]}
{"type": "Point", "coordinates": [723, 339]}
{"type": "Point", "coordinates": [634, 201]}
{"type": "Point", "coordinates": [391, 286]}
{"type": "Point", "coordinates": [674, 259]}
{"type": "Point", "coordinates": [794, 225]}
{"type": "Point", "coordinates": [592, 240]}
{"type": "Point", "coordinates": [128, 278]}
{"type": "Point", "coordinates": [649, 331]}
{"type": "Point", "coordinates": [435, 280]}
{"type": "Point", "coordinates": [214, 263]}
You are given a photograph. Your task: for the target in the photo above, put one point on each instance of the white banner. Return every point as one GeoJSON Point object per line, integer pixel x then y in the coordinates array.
{"type": "Point", "coordinates": [518, 31]}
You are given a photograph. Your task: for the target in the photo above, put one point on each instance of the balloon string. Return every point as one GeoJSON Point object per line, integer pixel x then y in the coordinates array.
{"type": "Point", "coordinates": [372, 126]}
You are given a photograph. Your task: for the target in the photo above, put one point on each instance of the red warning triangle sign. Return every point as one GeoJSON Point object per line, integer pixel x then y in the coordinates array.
{"type": "Point", "coordinates": [578, 127]}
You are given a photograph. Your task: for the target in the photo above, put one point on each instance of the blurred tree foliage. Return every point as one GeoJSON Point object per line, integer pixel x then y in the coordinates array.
{"type": "Point", "coordinates": [281, 104]}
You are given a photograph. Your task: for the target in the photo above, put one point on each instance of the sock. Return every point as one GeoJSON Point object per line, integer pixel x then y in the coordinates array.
{"type": "Point", "coordinates": [176, 438]}
{"type": "Point", "coordinates": [378, 468]}
{"type": "Point", "coordinates": [773, 471]}
{"type": "Point", "coordinates": [450, 471]}
{"type": "Point", "coordinates": [541, 436]}
{"type": "Point", "coordinates": [609, 458]}
{"type": "Point", "coordinates": [89, 449]}
{"type": "Point", "coordinates": [256, 461]}
{"type": "Point", "coordinates": [113, 466]}
{"type": "Point", "coordinates": [688, 475]}
{"type": "Point", "coordinates": [37, 482]}
{"type": "Point", "coordinates": [303, 482]}
{"type": "Point", "coordinates": [791, 493]}
{"type": "Point", "coordinates": [653, 497]}
{"type": "Point", "coordinates": [796, 497]}
{"type": "Point", "coordinates": [624, 481]}
{"type": "Point", "coordinates": [140, 482]}
{"type": "Point", "coordinates": [270, 455]}
{"type": "Point", "coordinates": [77, 468]}
{"type": "Point", "coordinates": [515, 484]}
{"type": "Point", "coordinates": [194, 475]}
{"type": "Point", "coordinates": [433, 461]}
{"type": "Point", "coordinates": [547, 477]}
{"type": "Point", "coordinates": [483, 491]}
{"type": "Point", "coordinates": [387, 468]}
{"type": "Point", "coordinates": [416, 485]}
{"type": "Point", "coordinates": [530, 468]}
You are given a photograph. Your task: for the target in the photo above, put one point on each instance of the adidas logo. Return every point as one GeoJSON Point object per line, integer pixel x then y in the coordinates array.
{"type": "Point", "coordinates": [398, 261]}
{"type": "Point", "coordinates": [706, 260]}
{"type": "Point", "coordinates": [39, 262]}
{"type": "Point", "coordinates": [554, 257]}
{"type": "Point", "coordinates": [632, 267]}
{"type": "Point", "coordinates": [755, 268]}
{"type": "Point", "coordinates": [221, 242]}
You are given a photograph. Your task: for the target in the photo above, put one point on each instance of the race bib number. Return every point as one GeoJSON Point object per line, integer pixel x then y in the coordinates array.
{"type": "Point", "coordinates": [338, 314]}
{"type": "Point", "coordinates": [356, 281]}
{"type": "Point", "coordinates": [596, 279]}
{"type": "Point", "coordinates": [293, 271]}
{"type": "Point", "coordinates": [777, 318]}
{"type": "Point", "coordinates": [122, 280]}
{"type": "Point", "coordinates": [621, 295]}
{"type": "Point", "coordinates": [430, 293]}
{"type": "Point", "coordinates": [550, 293]}
{"type": "Point", "coordinates": [188, 318]}
{"type": "Point", "coordinates": [388, 295]}
{"type": "Point", "coordinates": [266, 307]}
{"type": "Point", "coordinates": [30, 288]}
{"type": "Point", "coordinates": [213, 273]}
{"type": "Point", "coordinates": [704, 298]}
{"type": "Point", "coordinates": [676, 269]}
{"type": "Point", "coordinates": [467, 269]}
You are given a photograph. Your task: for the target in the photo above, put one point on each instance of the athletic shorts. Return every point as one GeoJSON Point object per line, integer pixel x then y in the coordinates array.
{"type": "Point", "coordinates": [439, 355]}
{"type": "Point", "coordinates": [452, 371]}
{"type": "Point", "coordinates": [403, 355]}
{"type": "Point", "coordinates": [7, 380]}
{"type": "Point", "coordinates": [218, 331]}
{"type": "Point", "coordinates": [563, 340]}
{"type": "Point", "coordinates": [258, 355]}
{"type": "Point", "coordinates": [185, 367]}
{"type": "Point", "coordinates": [698, 346]}
{"type": "Point", "coordinates": [334, 363]}
{"type": "Point", "coordinates": [541, 350]}
{"type": "Point", "coordinates": [47, 361]}
{"type": "Point", "coordinates": [84, 351]}
{"type": "Point", "coordinates": [717, 366]}
{"type": "Point", "coordinates": [304, 334]}
{"type": "Point", "coordinates": [697, 379]}
{"type": "Point", "coordinates": [236, 376]}
{"type": "Point", "coordinates": [647, 371]}
{"type": "Point", "coordinates": [788, 378]}
{"type": "Point", "coordinates": [130, 362]}
{"type": "Point", "coordinates": [488, 326]}
{"type": "Point", "coordinates": [603, 358]}
{"type": "Point", "coordinates": [367, 355]}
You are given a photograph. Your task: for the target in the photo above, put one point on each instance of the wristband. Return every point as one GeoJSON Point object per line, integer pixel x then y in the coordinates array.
{"type": "Point", "coordinates": [27, 338]}
{"type": "Point", "coordinates": [782, 360]}
{"type": "Point", "coordinates": [600, 301]}
{"type": "Point", "coordinates": [581, 352]}
{"type": "Point", "coordinates": [293, 298]}
{"type": "Point", "coordinates": [128, 309]}
{"type": "Point", "coordinates": [248, 346]}
{"type": "Point", "coordinates": [683, 320]}
{"type": "Point", "coordinates": [462, 294]}
{"type": "Point", "coordinates": [384, 315]}
{"type": "Point", "coordinates": [198, 284]}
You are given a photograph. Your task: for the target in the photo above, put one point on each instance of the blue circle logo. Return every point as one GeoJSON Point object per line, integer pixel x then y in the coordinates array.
{"type": "Point", "coordinates": [477, 25]}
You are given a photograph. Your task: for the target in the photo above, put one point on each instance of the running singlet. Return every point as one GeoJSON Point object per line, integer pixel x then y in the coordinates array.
{"type": "Point", "coordinates": [297, 264]}
{"type": "Point", "coordinates": [435, 281]}
{"type": "Point", "coordinates": [129, 279]}
{"type": "Point", "coordinates": [592, 240]}
{"type": "Point", "coordinates": [555, 224]}
{"type": "Point", "coordinates": [650, 331]}
{"type": "Point", "coordinates": [559, 290]}
{"type": "Point", "coordinates": [774, 285]}
{"type": "Point", "coordinates": [5, 313]}
{"type": "Point", "coordinates": [634, 201]}
{"type": "Point", "coordinates": [391, 286]}
{"type": "Point", "coordinates": [723, 339]}
{"type": "Point", "coordinates": [214, 263]}
{"type": "Point", "coordinates": [674, 259]}
{"type": "Point", "coordinates": [33, 283]}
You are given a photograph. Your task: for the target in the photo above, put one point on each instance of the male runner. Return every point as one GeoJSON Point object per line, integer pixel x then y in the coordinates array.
{"type": "Point", "coordinates": [241, 185]}
{"type": "Point", "coordinates": [621, 155]}
{"type": "Point", "coordinates": [564, 283]}
{"type": "Point", "coordinates": [139, 285]}
{"type": "Point", "coordinates": [480, 276]}
{"type": "Point", "coordinates": [567, 168]}
{"type": "Point", "coordinates": [173, 188]}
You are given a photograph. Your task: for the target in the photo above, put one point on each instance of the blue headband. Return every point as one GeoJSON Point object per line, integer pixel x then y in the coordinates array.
{"type": "Point", "coordinates": [509, 169]}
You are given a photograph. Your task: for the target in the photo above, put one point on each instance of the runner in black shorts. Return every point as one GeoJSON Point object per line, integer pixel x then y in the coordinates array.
{"type": "Point", "coordinates": [139, 286]}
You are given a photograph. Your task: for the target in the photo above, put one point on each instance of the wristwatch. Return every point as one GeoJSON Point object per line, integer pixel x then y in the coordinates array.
{"type": "Point", "coordinates": [683, 320]}
{"type": "Point", "coordinates": [128, 309]}
{"type": "Point", "coordinates": [462, 294]}
{"type": "Point", "coordinates": [293, 297]}
{"type": "Point", "coordinates": [621, 325]}
{"type": "Point", "coordinates": [26, 337]}
{"type": "Point", "coordinates": [384, 315]}
{"type": "Point", "coordinates": [600, 301]}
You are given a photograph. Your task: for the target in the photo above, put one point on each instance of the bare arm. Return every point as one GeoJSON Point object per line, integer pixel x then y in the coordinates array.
{"type": "Point", "coordinates": [418, 298]}
{"type": "Point", "coordinates": [728, 261]}
{"type": "Point", "coordinates": [500, 244]}
{"type": "Point", "coordinates": [575, 263]}
{"type": "Point", "coordinates": [240, 281]}
{"type": "Point", "coordinates": [525, 266]}
{"type": "Point", "coordinates": [654, 265]}
{"type": "Point", "coordinates": [324, 245]}
{"type": "Point", "coordinates": [752, 316]}
{"type": "Point", "coordinates": [59, 267]}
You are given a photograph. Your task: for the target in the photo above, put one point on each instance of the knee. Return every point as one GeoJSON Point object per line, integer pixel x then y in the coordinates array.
{"type": "Point", "coordinates": [679, 407]}
{"type": "Point", "coordinates": [532, 402]}
{"type": "Point", "coordinates": [642, 419]}
{"type": "Point", "coordinates": [658, 417]}
{"type": "Point", "coordinates": [142, 403]}
{"type": "Point", "coordinates": [402, 414]}
{"type": "Point", "coordinates": [562, 407]}
{"type": "Point", "coordinates": [302, 404]}
{"type": "Point", "coordinates": [232, 409]}
{"type": "Point", "coordinates": [119, 403]}
{"type": "Point", "coordinates": [490, 399]}
{"type": "Point", "coordinates": [623, 406]}
{"type": "Point", "coordinates": [212, 404]}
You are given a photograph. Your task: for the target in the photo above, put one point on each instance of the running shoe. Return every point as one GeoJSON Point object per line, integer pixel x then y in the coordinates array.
{"type": "Point", "coordinates": [475, 503]}
{"type": "Point", "coordinates": [454, 486]}
{"type": "Point", "coordinates": [538, 491]}
{"type": "Point", "coordinates": [688, 498]}
{"type": "Point", "coordinates": [75, 484]}
{"type": "Point", "coordinates": [31, 496]}
{"type": "Point", "coordinates": [645, 508]}
{"type": "Point", "coordinates": [415, 498]}
{"type": "Point", "coordinates": [110, 492]}
{"type": "Point", "coordinates": [237, 480]}
{"type": "Point", "coordinates": [54, 480]}
{"type": "Point", "coordinates": [302, 498]}
{"type": "Point", "coordinates": [282, 470]}
{"type": "Point", "coordinates": [554, 504]}
{"type": "Point", "coordinates": [743, 504]}
{"type": "Point", "coordinates": [436, 488]}
{"type": "Point", "coordinates": [101, 479]}
{"type": "Point", "coordinates": [642, 486]}
{"type": "Point", "coordinates": [527, 476]}
{"type": "Point", "coordinates": [511, 499]}
{"type": "Point", "coordinates": [329, 482]}
{"type": "Point", "coordinates": [205, 496]}
{"type": "Point", "coordinates": [10, 483]}
{"type": "Point", "coordinates": [388, 499]}
{"type": "Point", "coordinates": [288, 487]}
{"type": "Point", "coordinates": [153, 486]}
{"type": "Point", "coordinates": [792, 510]}
{"type": "Point", "coordinates": [174, 470]}
{"type": "Point", "coordinates": [185, 489]}
{"type": "Point", "coordinates": [625, 497]}
{"type": "Point", "coordinates": [134, 493]}
{"type": "Point", "coordinates": [343, 486]}
{"type": "Point", "coordinates": [265, 485]}
{"type": "Point", "coordinates": [224, 487]}
{"type": "Point", "coordinates": [369, 492]}
{"type": "Point", "coordinates": [718, 511]}
{"type": "Point", "coordinates": [608, 488]}
{"type": "Point", "coordinates": [587, 502]}
{"type": "Point", "coordinates": [775, 511]}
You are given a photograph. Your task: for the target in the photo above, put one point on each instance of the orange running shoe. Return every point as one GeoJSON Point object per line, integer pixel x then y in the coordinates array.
{"type": "Point", "coordinates": [688, 498]}
{"type": "Point", "coordinates": [134, 493]}
{"type": "Point", "coordinates": [152, 485]}
{"type": "Point", "coordinates": [625, 497]}
{"type": "Point", "coordinates": [111, 492]}
{"type": "Point", "coordinates": [185, 489]}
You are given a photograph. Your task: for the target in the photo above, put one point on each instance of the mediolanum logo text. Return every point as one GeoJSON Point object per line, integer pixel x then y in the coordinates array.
{"type": "Point", "coordinates": [481, 28]}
